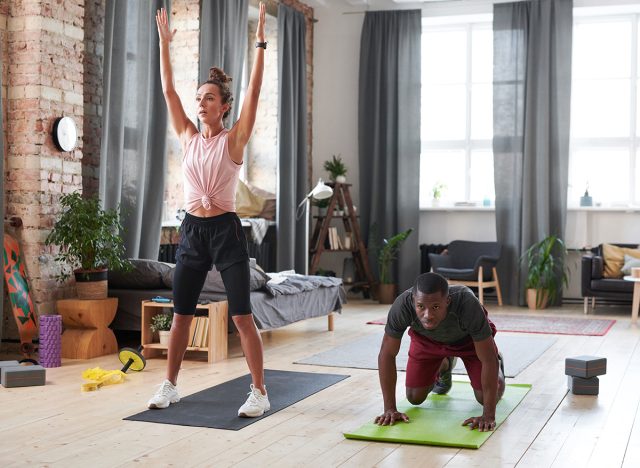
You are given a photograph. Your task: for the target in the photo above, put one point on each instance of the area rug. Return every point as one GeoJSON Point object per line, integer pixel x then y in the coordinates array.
{"type": "Point", "coordinates": [518, 352]}
{"type": "Point", "coordinates": [438, 421]}
{"type": "Point", "coordinates": [217, 407]}
{"type": "Point", "coordinates": [543, 324]}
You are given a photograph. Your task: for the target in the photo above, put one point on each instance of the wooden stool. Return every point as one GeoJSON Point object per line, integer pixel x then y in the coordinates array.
{"type": "Point", "coordinates": [86, 323]}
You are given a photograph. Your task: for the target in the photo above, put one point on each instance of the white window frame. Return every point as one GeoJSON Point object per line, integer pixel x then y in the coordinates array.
{"type": "Point", "coordinates": [632, 141]}
{"type": "Point", "coordinates": [468, 145]}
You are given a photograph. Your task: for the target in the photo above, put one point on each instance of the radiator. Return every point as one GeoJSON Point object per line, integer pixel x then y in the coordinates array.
{"type": "Point", "coordinates": [425, 250]}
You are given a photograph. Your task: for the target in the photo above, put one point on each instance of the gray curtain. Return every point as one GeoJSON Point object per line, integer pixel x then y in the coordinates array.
{"type": "Point", "coordinates": [389, 134]}
{"type": "Point", "coordinates": [531, 107]}
{"type": "Point", "coordinates": [223, 41]}
{"type": "Point", "coordinates": [132, 155]}
{"type": "Point", "coordinates": [292, 138]}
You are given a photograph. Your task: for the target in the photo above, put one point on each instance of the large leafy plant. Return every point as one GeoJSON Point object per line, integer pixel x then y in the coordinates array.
{"type": "Point", "coordinates": [388, 253]}
{"type": "Point", "coordinates": [88, 236]}
{"type": "Point", "coordinates": [546, 269]}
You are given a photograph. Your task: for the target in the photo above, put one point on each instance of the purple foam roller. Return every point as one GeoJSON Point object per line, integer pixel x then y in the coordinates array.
{"type": "Point", "coordinates": [50, 340]}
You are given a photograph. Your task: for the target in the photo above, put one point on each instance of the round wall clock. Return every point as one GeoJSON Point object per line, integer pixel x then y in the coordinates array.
{"type": "Point", "coordinates": [65, 134]}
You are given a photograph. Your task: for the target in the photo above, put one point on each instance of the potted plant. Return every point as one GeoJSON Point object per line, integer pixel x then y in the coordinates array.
{"type": "Point", "coordinates": [436, 191]}
{"type": "Point", "coordinates": [546, 271]}
{"type": "Point", "coordinates": [89, 242]}
{"type": "Point", "coordinates": [322, 205]}
{"type": "Point", "coordinates": [161, 323]}
{"type": "Point", "coordinates": [387, 290]}
{"type": "Point", "coordinates": [336, 169]}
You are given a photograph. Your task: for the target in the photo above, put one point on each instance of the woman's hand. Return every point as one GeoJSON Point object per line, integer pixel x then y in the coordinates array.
{"type": "Point", "coordinates": [260, 29]}
{"type": "Point", "coordinates": [163, 26]}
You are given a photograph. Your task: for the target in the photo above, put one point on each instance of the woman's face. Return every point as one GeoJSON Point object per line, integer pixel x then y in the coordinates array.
{"type": "Point", "coordinates": [210, 106]}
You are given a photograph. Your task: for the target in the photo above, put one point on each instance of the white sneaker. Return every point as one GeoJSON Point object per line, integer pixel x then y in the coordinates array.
{"type": "Point", "coordinates": [166, 394]}
{"type": "Point", "coordinates": [256, 404]}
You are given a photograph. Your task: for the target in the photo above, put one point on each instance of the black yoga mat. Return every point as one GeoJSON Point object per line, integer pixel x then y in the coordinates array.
{"type": "Point", "coordinates": [217, 407]}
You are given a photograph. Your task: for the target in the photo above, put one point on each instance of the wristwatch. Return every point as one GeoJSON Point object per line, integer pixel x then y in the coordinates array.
{"type": "Point", "coordinates": [261, 44]}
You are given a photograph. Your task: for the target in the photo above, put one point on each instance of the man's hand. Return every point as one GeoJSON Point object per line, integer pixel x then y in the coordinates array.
{"type": "Point", "coordinates": [482, 423]}
{"type": "Point", "coordinates": [390, 417]}
{"type": "Point", "coordinates": [261, 19]}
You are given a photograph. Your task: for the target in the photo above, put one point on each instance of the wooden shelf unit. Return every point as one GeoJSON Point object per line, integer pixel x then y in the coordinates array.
{"type": "Point", "coordinates": [218, 330]}
{"type": "Point", "coordinates": [341, 200]}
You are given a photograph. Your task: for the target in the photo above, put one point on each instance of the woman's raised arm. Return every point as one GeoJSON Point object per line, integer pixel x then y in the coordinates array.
{"type": "Point", "coordinates": [183, 127]}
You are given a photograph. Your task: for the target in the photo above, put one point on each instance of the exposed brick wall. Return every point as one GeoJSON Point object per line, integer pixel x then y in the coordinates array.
{"type": "Point", "coordinates": [93, 65]}
{"type": "Point", "coordinates": [44, 81]}
{"type": "Point", "coordinates": [262, 150]}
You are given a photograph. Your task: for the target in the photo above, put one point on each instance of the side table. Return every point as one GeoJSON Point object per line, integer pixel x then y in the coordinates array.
{"type": "Point", "coordinates": [216, 348]}
{"type": "Point", "coordinates": [636, 299]}
{"type": "Point", "coordinates": [86, 327]}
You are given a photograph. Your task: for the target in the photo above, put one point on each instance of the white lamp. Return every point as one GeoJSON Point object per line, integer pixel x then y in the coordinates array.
{"type": "Point", "coordinates": [319, 192]}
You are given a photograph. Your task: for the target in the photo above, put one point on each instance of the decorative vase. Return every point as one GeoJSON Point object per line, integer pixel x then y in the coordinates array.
{"type": "Point", "coordinates": [50, 340]}
{"type": "Point", "coordinates": [164, 337]}
{"type": "Point", "coordinates": [387, 293]}
{"type": "Point", "coordinates": [435, 202]}
{"type": "Point", "coordinates": [537, 299]}
{"type": "Point", "coordinates": [341, 179]}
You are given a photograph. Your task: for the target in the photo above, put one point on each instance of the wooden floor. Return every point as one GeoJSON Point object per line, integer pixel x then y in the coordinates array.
{"type": "Point", "coordinates": [57, 425]}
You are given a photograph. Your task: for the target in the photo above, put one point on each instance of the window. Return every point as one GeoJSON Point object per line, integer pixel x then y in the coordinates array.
{"type": "Point", "coordinates": [457, 109]}
{"type": "Point", "coordinates": [604, 110]}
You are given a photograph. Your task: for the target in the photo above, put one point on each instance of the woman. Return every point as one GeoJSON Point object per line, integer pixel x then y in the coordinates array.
{"type": "Point", "coordinates": [211, 233]}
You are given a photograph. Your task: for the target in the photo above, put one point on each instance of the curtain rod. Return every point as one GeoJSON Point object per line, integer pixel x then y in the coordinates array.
{"type": "Point", "coordinates": [432, 3]}
{"type": "Point", "coordinates": [272, 9]}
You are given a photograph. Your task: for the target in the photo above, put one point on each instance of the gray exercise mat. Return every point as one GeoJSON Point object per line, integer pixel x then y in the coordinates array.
{"type": "Point", "coordinates": [217, 407]}
{"type": "Point", "coordinates": [518, 352]}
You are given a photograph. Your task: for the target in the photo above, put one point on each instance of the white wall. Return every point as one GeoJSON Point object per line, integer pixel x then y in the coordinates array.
{"type": "Point", "coordinates": [335, 130]}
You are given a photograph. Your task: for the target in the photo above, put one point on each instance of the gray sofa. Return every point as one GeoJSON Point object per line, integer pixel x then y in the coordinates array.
{"type": "Point", "coordinates": [272, 308]}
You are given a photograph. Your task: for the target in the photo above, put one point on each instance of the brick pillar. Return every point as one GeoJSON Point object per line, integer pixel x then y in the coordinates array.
{"type": "Point", "coordinates": [44, 81]}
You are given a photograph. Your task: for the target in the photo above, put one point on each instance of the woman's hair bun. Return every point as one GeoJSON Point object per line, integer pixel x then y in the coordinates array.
{"type": "Point", "coordinates": [216, 74]}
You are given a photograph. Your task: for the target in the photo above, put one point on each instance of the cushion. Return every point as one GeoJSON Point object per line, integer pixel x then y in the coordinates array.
{"type": "Point", "coordinates": [213, 282]}
{"type": "Point", "coordinates": [614, 259]}
{"type": "Point", "coordinates": [145, 274]}
{"type": "Point", "coordinates": [629, 263]}
{"type": "Point", "coordinates": [248, 204]}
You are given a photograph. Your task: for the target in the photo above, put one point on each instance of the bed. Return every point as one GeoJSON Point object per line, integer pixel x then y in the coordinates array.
{"type": "Point", "coordinates": [276, 300]}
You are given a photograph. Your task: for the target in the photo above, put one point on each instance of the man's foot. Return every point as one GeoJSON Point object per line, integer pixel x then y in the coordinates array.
{"type": "Point", "coordinates": [166, 394]}
{"type": "Point", "coordinates": [444, 382]}
{"type": "Point", "coordinates": [256, 405]}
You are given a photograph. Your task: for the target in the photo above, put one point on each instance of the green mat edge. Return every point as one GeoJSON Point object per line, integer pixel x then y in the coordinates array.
{"type": "Point", "coordinates": [348, 435]}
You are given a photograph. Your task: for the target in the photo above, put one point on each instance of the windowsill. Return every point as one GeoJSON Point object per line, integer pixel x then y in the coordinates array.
{"type": "Point", "coordinates": [597, 209]}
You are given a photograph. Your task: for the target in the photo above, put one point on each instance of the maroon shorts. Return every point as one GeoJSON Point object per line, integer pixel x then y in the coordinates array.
{"type": "Point", "coordinates": [426, 355]}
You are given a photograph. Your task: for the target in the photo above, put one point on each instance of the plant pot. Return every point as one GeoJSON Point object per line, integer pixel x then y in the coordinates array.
{"type": "Point", "coordinates": [164, 337]}
{"type": "Point", "coordinates": [341, 179]}
{"type": "Point", "coordinates": [537, 298]}
{"type": "Point", "coordinates": [387, 293]}
{"type": "Point", "coordinates": [91, 284]}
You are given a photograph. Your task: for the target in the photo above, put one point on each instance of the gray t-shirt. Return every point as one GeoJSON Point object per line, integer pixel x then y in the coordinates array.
{"type": "Point", "coordinates": [465, 317]}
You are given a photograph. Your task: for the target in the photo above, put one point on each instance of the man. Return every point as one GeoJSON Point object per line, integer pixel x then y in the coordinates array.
{"type": "Point", "coordinates": [443, 323]}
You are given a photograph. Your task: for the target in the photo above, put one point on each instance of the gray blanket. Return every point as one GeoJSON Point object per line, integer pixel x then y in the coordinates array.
{"type": "Point", "coordinates": [295, 284]}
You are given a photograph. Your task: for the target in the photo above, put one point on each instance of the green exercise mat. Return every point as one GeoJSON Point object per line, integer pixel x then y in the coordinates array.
{"type": "Point", "coordinates": [438, 421]}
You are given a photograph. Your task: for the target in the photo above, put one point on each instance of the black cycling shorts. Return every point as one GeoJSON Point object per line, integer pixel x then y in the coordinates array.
{"type": "Point", "coordinates": [204, 242]}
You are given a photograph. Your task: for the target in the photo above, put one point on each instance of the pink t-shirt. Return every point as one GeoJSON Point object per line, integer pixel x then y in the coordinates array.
{"type": "Point", "coordinates": [210, 175]}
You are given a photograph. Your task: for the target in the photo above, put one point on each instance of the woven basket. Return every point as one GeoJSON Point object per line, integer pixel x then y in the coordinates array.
{"type": "Point", "coordinates": [91, 284]}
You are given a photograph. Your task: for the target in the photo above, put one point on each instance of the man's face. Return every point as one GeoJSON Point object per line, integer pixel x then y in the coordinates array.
{"type": "Point", "coordinates": [431, 309]}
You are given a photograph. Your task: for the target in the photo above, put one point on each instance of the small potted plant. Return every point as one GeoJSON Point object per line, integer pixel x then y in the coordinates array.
{"type": "Point", "coordinates": [336, 169]}
{"type": "Point", "coordinates": [387, 289]}
{"type": "Point", "coordinates": [436, 191]}
{"type": "Point", "coordinates": [322, 205]}
{"type": "Point", "coordinates": [89, 242]}
{"type": "Point", "coordinates": [546, 271]}
{"type": "Point", "coordinates": [161, 323]}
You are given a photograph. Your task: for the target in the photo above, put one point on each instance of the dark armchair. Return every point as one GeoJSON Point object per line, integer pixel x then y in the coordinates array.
{"type": "Point", "coordinates": [594, 284]}
{"type": "Point", "coordinates": [471, 264]}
